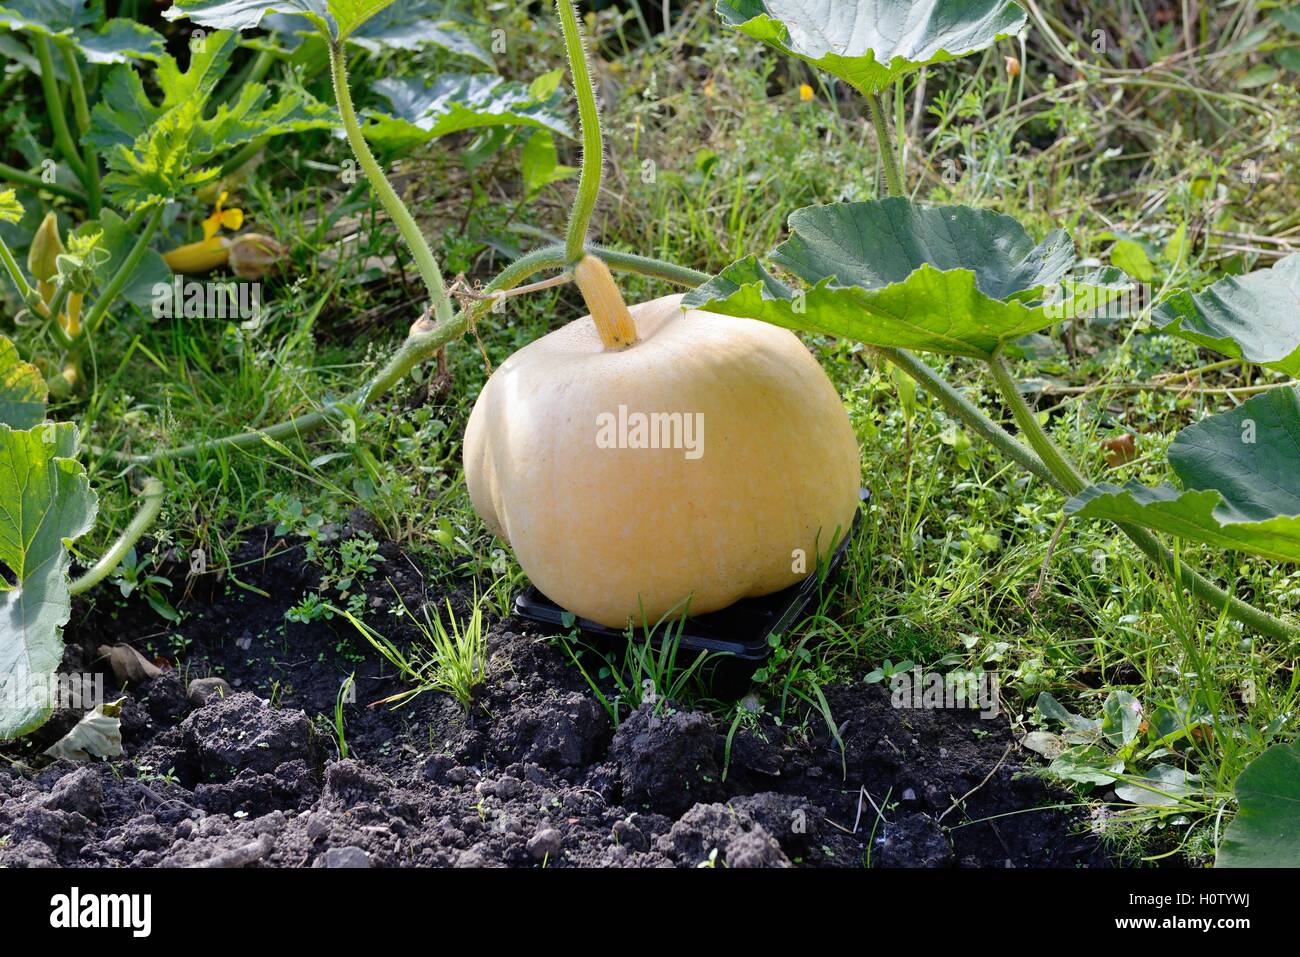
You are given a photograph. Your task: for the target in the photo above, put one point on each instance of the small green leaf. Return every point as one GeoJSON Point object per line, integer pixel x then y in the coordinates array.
{"type": "Point", "coordinates": [947, 279]}
{"type": "Point", "coordinates": [11, 211]}
{"type": "Point", "coordinates": [871, 43]}
{"type": "Point", "coordinates": [1251, 317]}
{"type": "Point", "coordinates": [1132, 258]}
{"type": "Point", "coordinates": [456, 102]}
{"type": "Point", "coordinates": [22, 389]}
{"type": "Point", "coordinates": [351, 14]}
{"type": "Point", "coordinates": [1287, 17]}
{"type": "Point", "coordinates": [1123, 717]}
{"type": "Point", "coordinates": [1288, 59]}
{"type": "Point", "coordinates": [1261, 74]}
{"type": "Point", "coordinates": [45, 501]}
{"type": "Point", "coordinates": [1052, 710]}
{"type": "Point", "coordinates": [1049, 745]}
{"type": "Point", "coordinates": [1266, 830]}
{"type": "Point", "coordinates": [545, 85]}
{"type": "Point", "coordinates": [1162, 786]}
{"type": "Point", "coordinates": [539, 163]}
{"type": "Point", "coordinates": [1241, 488]}
{"type": "Point", "coordinates": [1176, 247]}
{"type": "Point", "coordinates": [1088, 765]}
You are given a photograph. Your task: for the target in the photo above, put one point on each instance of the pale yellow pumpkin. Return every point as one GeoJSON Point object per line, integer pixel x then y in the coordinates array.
{"type": "Point", "coordinates": [611, 531]}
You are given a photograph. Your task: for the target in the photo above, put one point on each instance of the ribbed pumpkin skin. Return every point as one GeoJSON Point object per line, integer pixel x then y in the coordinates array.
{"type": "Point", "coordinates": [606, 532]}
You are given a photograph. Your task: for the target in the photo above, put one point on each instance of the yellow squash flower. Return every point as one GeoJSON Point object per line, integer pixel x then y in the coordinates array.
{"type": "Point", "coordinates": [209, 252]}
{"type": "Point", "coordinates": [222, 218]}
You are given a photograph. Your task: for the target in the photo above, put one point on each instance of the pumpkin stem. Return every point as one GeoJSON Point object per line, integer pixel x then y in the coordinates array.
{"type": "Point", "coordinates": [613, 321]}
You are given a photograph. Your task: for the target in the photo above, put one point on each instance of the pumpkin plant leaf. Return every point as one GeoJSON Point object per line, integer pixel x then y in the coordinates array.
{"type": "Point", "coordinates": [22, 389]}
{"type": "Point", "coordinates": [455, 102]}
{"type": "Point", "coordinates": [11, 211]}
{"type": "Point", "coordinates": [871, 43]}
{"type": "Point", "coordinates": [947, 279]}
{"type": "Point", "coordinates": [76, 24]}
{"type": "Point", "coordinates": [156, 150]}
{"type": "Point", "coordinates": [1251, 317]}
{"type": "Point", "coordinates": [336, 19]}
{"type": "Point", "coordinates": [45, 502]}
{"type": "Point", "coordinates": [1240, 487]}
{"type": "Point", "coordinates": [413, 26]}
{"type": "Point", "coordinates": [1266, 830]}
{"type": "Point", "coordinates": [410, 25]}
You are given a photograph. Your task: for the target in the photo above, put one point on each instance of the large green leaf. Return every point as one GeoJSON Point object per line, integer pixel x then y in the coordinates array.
{"type": "Point", "coordinates": [946, 279]}
{"type": "Point", "coordinates": [871, 43]}
{"type": "Point", "coordinates": [1266, 830]}
{"type": "Point", "coordinates": [157, 150]}
{"type": "Point", "coordinates": [76, 23]}
{"type": "Point", "coordinates": [1241, 486]}
{"type": "Point", "coordinates": [335, 18]}
{"type": "Point", "coordinates": [22, 389]}
{"type": "Point", "coordinates": [455, 102]}
{"type": "Point", "coordinates": [45, 501]}
{"type": "Point", "coordinates": [1255, 317]}
{"type": "Point", "coordinates": [410, 25]}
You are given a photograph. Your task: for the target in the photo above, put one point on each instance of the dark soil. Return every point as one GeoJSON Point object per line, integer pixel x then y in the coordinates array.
{"type": "Point", "coordinates": [534, 774]}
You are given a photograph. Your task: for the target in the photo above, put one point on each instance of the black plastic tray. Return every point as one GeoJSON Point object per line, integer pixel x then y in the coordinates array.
{"type": "Point", "coordinates": [739, 632]}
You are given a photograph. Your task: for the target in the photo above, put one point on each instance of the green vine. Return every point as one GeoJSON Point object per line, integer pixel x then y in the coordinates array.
{"type": "Point", "coordinates": [593, 149]}
{"type": "Point", "coordinates": [440, 303]}
{"type": "Point", "coordinates": [1045, 459]}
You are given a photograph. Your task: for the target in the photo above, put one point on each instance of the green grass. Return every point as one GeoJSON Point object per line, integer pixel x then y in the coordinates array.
{"type": "Point", "coordinates": [710, 147]}
{"type": "Point", "coordinates": [449, 655]}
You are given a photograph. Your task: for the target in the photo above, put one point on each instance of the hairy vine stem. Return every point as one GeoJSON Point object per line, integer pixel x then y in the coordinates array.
{"type": "Point", "coordinates": [593, 148]}
{"type": "Point", "coordinates": [10, 265]}
{"type": "Point", "coordinates": [35, 183]}
{"type": "Point", "coordinates": [1147, 542]}
{"type": "Point", "coordinates": [1049, 462]}
{"type": "Point", "coordinates": [54, 103]}
{"type": "Point", "coordinates": [963, 408]}
{"type": "Point", "coordinates": [81, 112]}
{"type": "Point", "coordinates": [152, 494]}
{"type": "Point", "coordinates": [406, 225]}
{"type": "Point", "coordinates": [888, 152]}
